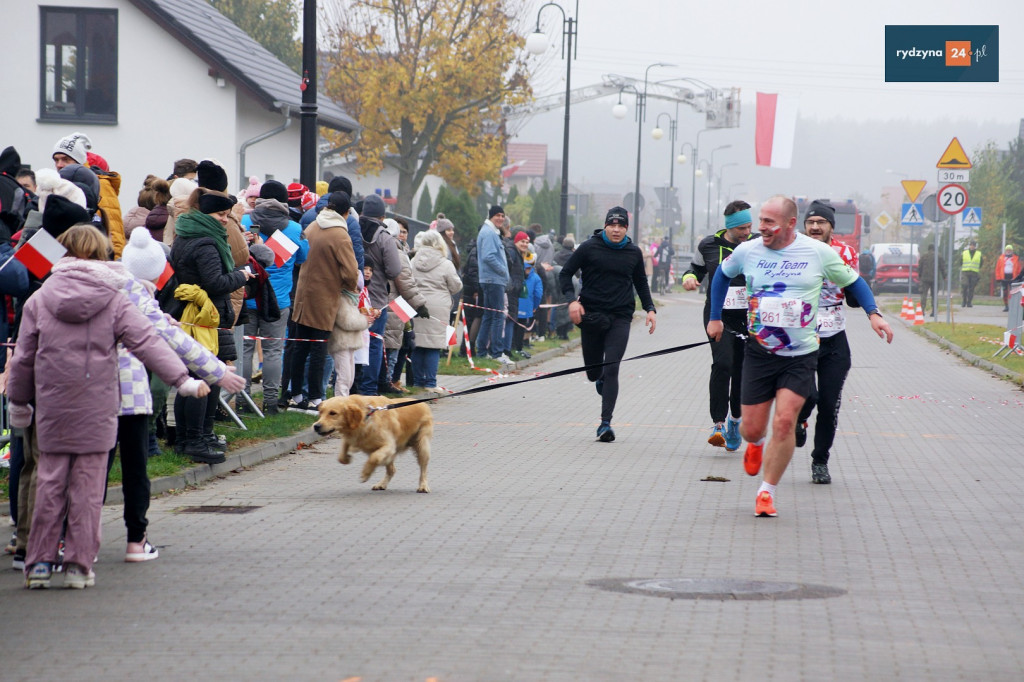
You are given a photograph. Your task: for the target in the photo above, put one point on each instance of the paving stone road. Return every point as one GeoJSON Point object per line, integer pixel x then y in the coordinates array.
{"type": "Point", "coordinates": [494, 575]}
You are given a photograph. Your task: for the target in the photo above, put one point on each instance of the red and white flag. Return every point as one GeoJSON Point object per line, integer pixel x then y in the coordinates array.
{"type": "Point", "coordinates": [40, 253]}
{"type": "Point", "coordinates": [165, 276]}
{"type": "Point", "coordinates": [451, 335]}
{"type": "Point", "coordinates": [776, 130]}
{"type": "Point", "coordinates": [402, 308]}
{"type": "Point", "coordinates": [509, 170]}
{"type": "Point", "coordinates": [282, 247]}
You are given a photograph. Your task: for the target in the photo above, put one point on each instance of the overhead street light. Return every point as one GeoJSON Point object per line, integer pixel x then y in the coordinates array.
{"type": "Point", "coordinates": [711, 176]}
{"type": "Point", "coordinates": [641, 104]}
{"type": "Point", "coordinates": [537, 44]}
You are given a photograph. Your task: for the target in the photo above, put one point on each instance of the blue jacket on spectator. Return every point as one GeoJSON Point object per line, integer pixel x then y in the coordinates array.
{"type": "Point", "coordinates": [492, 264]}
{"type": "Point", "coordinates": [271, 216]}
{"type": "Point", "coordinates": [534, 294]}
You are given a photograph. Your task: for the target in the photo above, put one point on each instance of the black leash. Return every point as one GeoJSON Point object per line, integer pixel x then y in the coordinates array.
{"type": "Point", "coordinates": [551, 375]}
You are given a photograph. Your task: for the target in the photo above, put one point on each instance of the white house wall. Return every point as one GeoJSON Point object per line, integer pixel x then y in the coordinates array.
{"type": "Point", "coordinates": [168, 105]}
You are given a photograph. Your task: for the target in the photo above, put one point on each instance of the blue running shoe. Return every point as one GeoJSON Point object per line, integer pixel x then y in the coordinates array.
{"type": "Point", "coordinates": [717, 437]}
{"type": "Point", "coordinates": [733, 440]}
{"type": "Point", "coordinates": [605, 433]}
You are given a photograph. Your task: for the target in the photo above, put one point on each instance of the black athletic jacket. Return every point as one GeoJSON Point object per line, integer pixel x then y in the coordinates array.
{"type": "Point", "coordinates": [609, 277]}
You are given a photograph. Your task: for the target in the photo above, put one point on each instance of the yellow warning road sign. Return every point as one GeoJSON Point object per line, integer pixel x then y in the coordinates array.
{"type": "Point", "coordinates": [954, 157]}
{"type": "Point", "coordinates": [913, 188]}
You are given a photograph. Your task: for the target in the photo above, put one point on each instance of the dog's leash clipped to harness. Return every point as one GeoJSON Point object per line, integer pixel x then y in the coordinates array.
{"type": "Point", "coordinates": [552, 375]}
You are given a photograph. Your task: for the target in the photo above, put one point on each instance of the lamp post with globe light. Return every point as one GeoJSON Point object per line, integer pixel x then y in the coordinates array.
{"type": "Point", "coordinates": [537, 43]}
{"type": "Point", "coordinates": [695, 149]}
{"type": "Point", "coordinates": [711, 176]}
{"type": "Point", "coordinates": [619, 111]}
{"type": "Point", "coordinates": [718, 199]}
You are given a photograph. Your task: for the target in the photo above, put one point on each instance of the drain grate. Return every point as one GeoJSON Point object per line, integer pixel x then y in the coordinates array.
{"type": "Point", "coordinates": [716, 588]}
{"type": "Point", "coordinates": [216, 509]}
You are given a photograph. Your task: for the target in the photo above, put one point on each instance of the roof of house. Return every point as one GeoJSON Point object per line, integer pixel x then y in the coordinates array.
{"type": "Point", "coordinates": [235, 56]}
{"type": "Point", "coordinates": [531, 157]}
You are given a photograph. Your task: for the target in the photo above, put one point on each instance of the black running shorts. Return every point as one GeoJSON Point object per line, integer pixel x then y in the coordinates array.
{"type": "Point", "coordinates": [765, 373]}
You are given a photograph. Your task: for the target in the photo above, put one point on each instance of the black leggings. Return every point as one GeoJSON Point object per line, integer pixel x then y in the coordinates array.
{"type": "Point", "coordinates": [833, 366]}
{"type": "Point", "coordinates": [308, 345]}
{"type": "Point", "coordinates": [133, 438]}
{"type": "Point", "coordinates": [605, 345]}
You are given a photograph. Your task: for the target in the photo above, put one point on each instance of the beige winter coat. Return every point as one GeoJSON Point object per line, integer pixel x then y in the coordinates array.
{"type": "Point", "coordinates": [437, 281]}
{"type": "Point", "coordinates": [349, 325]}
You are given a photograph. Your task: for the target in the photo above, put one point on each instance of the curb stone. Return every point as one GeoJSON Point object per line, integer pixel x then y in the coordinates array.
{"type": "Point", "coordinates": [241, 458]}
{"type": "Point", "coordinates": [969, 358]}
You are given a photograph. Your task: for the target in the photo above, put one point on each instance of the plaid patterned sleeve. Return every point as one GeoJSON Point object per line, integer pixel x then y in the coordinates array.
{"type": "Point", "coordinates": [199, 361]}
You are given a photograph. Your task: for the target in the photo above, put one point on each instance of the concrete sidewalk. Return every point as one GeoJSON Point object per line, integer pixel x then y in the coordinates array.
{"type": "Point", "coordinates": [501, 572]}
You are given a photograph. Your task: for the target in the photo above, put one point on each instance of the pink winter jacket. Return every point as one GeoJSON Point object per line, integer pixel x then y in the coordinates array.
{"type": "Point", "coordinates": [65, 359]}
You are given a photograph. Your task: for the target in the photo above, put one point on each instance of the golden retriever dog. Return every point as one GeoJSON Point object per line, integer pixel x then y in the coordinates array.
{"type": "Point", "coordinates": [381, 434]}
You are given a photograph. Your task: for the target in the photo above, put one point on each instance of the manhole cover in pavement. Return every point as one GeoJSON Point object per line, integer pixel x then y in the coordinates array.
{"type": "Point", "coordinates": [716, 588]}
{"type": "Point", "coordinates": [216, 509]}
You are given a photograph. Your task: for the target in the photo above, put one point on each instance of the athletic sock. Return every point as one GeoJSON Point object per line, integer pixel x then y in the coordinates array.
{"type": "Point", "coordinates": [766, 486]}
{"type": "Point", "coordinates": [760, 442]}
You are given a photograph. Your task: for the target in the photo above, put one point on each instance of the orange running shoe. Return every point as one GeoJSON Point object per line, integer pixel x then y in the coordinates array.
{"type": "Point", "coordinates": [752, 458]}
{"type": "Point", "coordinates": [765, 505]}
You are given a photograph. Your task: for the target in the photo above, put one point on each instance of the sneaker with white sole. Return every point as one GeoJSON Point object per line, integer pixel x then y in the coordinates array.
{"type": "Point", "coordinates": [717, 437]}
{"type": "Point", "coordinates": [38, 577]}
{"type": "Point", "coordinates": [140, 551]}
{"type": "Point", "coordinates": [77, 578]}
{"type": "Point", "coordinates": [733, 440]}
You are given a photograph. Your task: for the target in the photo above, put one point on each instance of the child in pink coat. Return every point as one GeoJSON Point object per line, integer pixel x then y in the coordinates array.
{"type": "Point", "coordinates": [65, 364]}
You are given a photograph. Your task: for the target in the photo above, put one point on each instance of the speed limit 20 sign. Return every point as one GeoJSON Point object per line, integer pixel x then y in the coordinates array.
{"type": "Point", "coordinates": [952, 199]}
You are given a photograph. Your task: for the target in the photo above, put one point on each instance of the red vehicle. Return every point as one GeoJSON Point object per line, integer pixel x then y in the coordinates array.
{"type": "Point", "coordinates": [851, 224]}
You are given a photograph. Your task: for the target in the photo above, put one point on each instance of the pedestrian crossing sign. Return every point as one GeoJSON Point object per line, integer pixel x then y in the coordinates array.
{"type": "Point", "coordinates": [912, 214]}
{"type": "Point", "coordinates": [972, 216]}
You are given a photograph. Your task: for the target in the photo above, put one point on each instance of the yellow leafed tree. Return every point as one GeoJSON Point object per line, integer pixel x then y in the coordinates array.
{"type": "Point", "coordinates": [427, 80]}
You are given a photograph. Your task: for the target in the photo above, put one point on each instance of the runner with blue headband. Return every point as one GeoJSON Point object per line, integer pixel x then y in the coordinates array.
{"type": "Point", "coordinates": [727, 353]}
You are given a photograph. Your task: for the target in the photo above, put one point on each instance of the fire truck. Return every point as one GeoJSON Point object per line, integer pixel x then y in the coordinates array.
{"type": "Point", "coordinates": [851, 224]}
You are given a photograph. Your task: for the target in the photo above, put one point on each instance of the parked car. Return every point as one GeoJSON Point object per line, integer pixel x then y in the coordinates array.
{"type": "Point", "coordinates": [895, 265]}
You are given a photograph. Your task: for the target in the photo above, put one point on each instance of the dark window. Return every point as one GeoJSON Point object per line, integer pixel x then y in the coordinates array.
{"type": "Point", "coordinates": [79, 64]}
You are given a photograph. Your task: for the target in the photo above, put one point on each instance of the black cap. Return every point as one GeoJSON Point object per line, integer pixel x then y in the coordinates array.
{"type": "Point", "coordinates": [339, 202]}
{"type": "Point", "coordinates": [214, 202]}
{"type": "Point", "coordinates": [617, 216]}
{"type": "Point", "coordinates": [59, 214]}
{"type": "Point", "coordinates": [339, 183]}
{"type": "Point", "coordinates": [495, 210]}
{"type": "Point", "coordinates": [820, 208]}
{"type": "Point", "coordinates": [211, 176]}
{"type": "Point", "coordinates": [273, 189]}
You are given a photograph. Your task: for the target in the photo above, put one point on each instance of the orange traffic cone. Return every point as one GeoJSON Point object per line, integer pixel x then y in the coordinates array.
{"type": "Point", "coordinates": [918, 316]}
{"type": "Point", "coordinates": [907, 312]}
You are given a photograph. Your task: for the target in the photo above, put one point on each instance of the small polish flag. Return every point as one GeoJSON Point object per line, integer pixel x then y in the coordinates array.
{"type": "Point", "coordinates": [282, 247]}
{"type": "Point", "coordinates": [40, 253]}
{"type": "Point", "coordinates": [776, 130]}
{"type": "Point", "coordinates": [165, 276]}
{"type": "Point", "coordinates": [451, 335]}
{"type": "Point", "coordinates": [509, 170]}
{"type": "Point", "coordinates": [402, 308]}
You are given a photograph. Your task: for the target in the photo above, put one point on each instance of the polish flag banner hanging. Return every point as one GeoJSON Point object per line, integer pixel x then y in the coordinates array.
{"type": "Point", "coordinates": [451, 335]}
{"type": "Point", "coordinates": [776, 130]}
{"type": "Point", "coordinates": [40, 253]}
{"type": "Point", "coordinates": [165, 276]}
{"type": "Point", "coordinates": [402, 308]}
{"type": "Point", "coordinates": [282, 247]}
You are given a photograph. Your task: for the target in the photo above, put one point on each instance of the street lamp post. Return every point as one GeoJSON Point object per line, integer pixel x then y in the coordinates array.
{"type": "Point", "coordinates": [711, 176]}
{"type": "Point", "coordinates": [641, 103]}
{"type": "Point", "coordinates": [695, 148]}
{"type": "Point", "coordinates": [699, 173]}
{"type": "Point", "coordinates": [536, 43]}
{"type": "Point", "coordinates": [657, 134]}
{"type": "Point", "coordinates": [718, 199]}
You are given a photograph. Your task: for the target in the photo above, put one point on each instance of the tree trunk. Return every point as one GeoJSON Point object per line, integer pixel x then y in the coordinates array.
{"type": "Point", "coordinates": [406, 192]}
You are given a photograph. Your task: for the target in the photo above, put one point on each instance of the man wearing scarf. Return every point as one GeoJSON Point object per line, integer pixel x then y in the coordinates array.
{"type": "Point", "coordinates": [613, 266]}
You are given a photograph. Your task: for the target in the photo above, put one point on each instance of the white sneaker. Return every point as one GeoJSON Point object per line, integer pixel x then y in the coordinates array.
{"type": "Point", "coordinates": [504, 359]}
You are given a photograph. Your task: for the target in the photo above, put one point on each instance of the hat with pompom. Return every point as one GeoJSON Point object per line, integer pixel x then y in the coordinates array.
{"type": "Point", "coordinates": [49, 182]}
{"type": "Point", "coordinates": [144, 256]}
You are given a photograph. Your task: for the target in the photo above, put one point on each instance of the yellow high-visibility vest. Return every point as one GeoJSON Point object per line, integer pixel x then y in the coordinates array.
{"type": "Point", "coordinates": [971, 263]}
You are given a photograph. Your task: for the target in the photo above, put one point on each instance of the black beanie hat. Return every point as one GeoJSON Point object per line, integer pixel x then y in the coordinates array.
{"type": "Point", "coordinates": [340, 183]}
{"type": "Point", "coordinates": [373, 207]}
{"type": "Point", "coordinates": [211, 176]}
{"type": "Point", "coordinates": [212, 202]}
{"type": "Point", "coordinates": [617, 216]}
{"type": "Point", "coordinates": [339, 202]}
{"type": "Point", "coordinates": [272, 189]}
{"type": "Point", "coordinates": [60, 214]}
{"type": "Point", "coordinates": [820, 208]}
{"type": "Point", "coordinates": [495, 210]}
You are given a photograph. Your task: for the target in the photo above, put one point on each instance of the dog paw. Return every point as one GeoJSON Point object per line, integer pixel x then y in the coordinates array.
{"type": "Point", "coordinates": [379, 486]}
{"type": "Point", "coordinates": [344, 459]}
{"type": "Point", "coordinates": [423, 489]}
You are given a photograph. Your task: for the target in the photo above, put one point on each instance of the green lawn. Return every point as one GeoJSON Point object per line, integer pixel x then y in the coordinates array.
{"type": "Point", "coordinates": [981, 340]}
